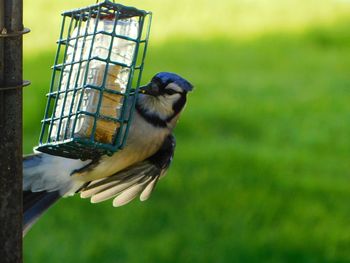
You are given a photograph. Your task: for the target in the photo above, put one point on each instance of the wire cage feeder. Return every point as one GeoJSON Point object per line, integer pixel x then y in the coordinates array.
{"type": "Point", "coordinates": [96, 76]}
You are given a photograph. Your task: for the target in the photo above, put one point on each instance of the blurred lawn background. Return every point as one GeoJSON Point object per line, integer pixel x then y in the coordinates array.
{"type": "Point", "coordinates": [262, 170]}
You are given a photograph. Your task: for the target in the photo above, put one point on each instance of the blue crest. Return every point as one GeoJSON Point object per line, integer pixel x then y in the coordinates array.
{"type": "Point", "coordinates": [167, 78]}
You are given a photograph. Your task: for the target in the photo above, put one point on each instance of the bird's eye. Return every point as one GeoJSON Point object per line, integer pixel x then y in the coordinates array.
{"type": "Point", "coordinates": [170, 91]}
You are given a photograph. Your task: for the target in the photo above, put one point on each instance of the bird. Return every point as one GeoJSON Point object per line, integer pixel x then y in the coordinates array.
{"type": "Point", "coordinates": [130, 172]}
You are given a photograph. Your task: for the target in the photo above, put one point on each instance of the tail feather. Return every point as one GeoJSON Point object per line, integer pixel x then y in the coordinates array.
{"type": "Point", "coordinates": [35, 204]}
{"type": "Point", "coordinates": [45, 179]}
{"type": "Point", "coordinates": [44, 172]}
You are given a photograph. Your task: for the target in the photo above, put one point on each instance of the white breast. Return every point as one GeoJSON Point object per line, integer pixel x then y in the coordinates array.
{"type": "Point", "coordinates": [143, 141]}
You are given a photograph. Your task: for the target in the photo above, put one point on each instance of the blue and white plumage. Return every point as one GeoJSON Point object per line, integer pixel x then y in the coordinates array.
{"type": "Point", "coordinates": [130, 172]}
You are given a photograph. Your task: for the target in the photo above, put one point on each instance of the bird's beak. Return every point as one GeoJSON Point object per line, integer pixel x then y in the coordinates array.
{"type": "Point", "coordinates": [149, 89]}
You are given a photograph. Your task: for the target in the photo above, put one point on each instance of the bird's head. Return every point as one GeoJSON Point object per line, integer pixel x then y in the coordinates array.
{"type": "Point", "coordinates": [165, 96]}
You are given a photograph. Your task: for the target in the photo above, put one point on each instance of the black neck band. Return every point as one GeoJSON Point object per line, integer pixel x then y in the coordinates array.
{"type": "Point", "coordinates": [150, 117]}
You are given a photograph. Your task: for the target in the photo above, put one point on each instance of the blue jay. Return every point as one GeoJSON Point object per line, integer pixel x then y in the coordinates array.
{"type": "Point", "coordinates": [130, 172]}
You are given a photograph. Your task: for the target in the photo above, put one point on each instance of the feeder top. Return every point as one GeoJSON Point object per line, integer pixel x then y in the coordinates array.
{"type": "Point", "coordinates": [105, 7]}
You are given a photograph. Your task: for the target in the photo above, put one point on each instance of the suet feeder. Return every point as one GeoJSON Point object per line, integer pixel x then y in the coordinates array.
{"type": "Point", "coordinates": [96, 76]}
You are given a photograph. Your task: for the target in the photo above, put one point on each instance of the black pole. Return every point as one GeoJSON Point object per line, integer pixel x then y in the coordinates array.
{"type": "Point", "coordinates": [11, 27]}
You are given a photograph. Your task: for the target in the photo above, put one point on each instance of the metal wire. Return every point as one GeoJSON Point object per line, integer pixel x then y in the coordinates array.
{"type": "Point", "coordinates": [25, 83]}
{"type": "Point", "coordinates": [15, 34]}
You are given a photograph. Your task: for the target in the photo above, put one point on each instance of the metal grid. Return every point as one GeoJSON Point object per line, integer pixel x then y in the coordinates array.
{"type": "Point", "coordinates": [70, 82]}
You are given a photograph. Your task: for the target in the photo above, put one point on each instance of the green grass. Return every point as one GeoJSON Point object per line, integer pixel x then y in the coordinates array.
{"type": "Point", "coordinates": [202, 19]}
{"type": "Point", "coordinates": [261, 172]}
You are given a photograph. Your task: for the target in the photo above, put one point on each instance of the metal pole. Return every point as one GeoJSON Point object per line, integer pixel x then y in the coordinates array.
{"type": "Point", "coordinates": [11, 131]}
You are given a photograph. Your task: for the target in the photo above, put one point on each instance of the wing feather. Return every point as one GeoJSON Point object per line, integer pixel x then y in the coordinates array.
{"type": "Point", "coordinates": [97, 189]}
{"type": "Point", "coordinates": [115, 190]}
{"type": "Point", "coordinates": [138, 179]}
{"type": "Point", "coordinates": [128, 195]}
{"type": "Point", "coordinates": [146, 193]}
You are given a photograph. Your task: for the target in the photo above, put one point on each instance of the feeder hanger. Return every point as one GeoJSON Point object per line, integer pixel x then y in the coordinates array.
{"type": "Point", "coordinates": [5, 34]}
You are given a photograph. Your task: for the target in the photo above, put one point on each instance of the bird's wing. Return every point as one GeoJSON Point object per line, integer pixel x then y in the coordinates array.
{"type": "Point", "coordinates": [140, 178]}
